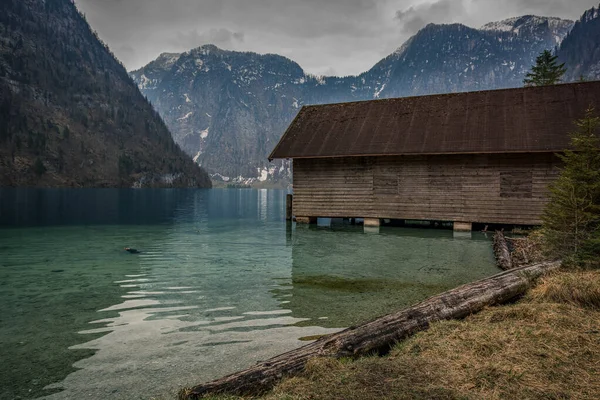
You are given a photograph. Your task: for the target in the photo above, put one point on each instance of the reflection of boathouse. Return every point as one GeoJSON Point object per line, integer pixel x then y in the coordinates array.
{"type": "Point", "coordinates": [479, 157]}
{"type": "Point", "coordinates": [336, 283]}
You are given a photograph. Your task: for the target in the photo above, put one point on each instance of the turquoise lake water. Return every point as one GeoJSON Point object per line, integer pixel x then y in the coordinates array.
{"type": "Point", "coordinates": [222, 281]}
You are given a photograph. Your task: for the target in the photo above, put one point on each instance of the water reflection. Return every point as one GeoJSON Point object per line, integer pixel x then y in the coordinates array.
{"type": "Point", "coordinates": [221, 282]}
{"type": "Point", "coordinates": [346, 275]}
{"type": "Point", "coordinates": [200, 305]}
{"type": "Point", "coordinates": [59, 207]}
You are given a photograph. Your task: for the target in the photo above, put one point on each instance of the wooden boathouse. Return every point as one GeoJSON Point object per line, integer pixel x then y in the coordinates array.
{"type": "Point", "coordinates": [479, 157]}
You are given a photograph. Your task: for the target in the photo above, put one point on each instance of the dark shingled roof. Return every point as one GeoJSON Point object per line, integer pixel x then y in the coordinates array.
{"type": "Point", "coordinates": [534, 119]}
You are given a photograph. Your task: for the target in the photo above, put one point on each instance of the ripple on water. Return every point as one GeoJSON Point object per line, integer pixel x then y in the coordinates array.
{"type": "Point", "coordinates": [220, 284]}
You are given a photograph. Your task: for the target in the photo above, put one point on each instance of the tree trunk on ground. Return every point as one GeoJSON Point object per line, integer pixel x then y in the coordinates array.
{"type": "Point", "coordinates": [503, 257]}
{"type": "Point", "coordinates": [380, 335]}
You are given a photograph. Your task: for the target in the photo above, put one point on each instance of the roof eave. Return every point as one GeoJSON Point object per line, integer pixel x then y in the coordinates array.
{"type": "Point", "coordinates": [272, 155]}
{"type": "Point", "coordinates": [421, 154]}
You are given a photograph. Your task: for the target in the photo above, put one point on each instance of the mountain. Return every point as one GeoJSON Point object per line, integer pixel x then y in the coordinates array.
{"type": "Point", "coordinates": [228, 109]}
{"type": "Point", "coordinates": [453, 58]}
{"type": "Point", "coordinates": [581, 48]}
{"type": "Point", "coordinates": [70, 115]}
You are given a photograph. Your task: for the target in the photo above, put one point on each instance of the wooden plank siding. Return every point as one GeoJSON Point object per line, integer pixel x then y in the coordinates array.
{"type": "Point", "coordinates": [492, 188]}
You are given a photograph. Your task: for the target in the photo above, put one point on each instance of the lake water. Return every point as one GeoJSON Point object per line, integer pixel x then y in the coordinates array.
{"type": "Point", "coordinates": [222, 281]}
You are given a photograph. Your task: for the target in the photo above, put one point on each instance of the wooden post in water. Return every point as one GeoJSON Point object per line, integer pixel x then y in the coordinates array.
{"type": "Point", "coordinates": [372, 222]}
{"type": "Point", "coordinates": [288, 233]}
{"type": "Point", "coordinates": [460, 226]}
{"type": "Point", "coordinates": [306, 220]}
{"type": "Point", "coordinates": [289, 201]}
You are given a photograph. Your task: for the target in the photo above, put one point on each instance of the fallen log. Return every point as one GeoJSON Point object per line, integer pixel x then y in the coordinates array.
{"type": "Point", "coordinates": [379, 335]}
{"type": "Point", "coordinates": [503, 257]}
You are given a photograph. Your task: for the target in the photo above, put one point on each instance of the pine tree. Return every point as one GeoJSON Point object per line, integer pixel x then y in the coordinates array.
{"type": "Point", "coordinates": [572, 215]}
{"type": "Point", "coordinates": [546, 71]}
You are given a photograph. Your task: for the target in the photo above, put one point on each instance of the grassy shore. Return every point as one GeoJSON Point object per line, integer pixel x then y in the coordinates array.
{"type": "Point", "coordinates": [545, 346]}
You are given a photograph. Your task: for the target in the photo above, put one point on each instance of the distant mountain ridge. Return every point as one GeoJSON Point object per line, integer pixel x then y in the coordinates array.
{"type": "Point", "coordinates": [70, 115]}
{"type": "Point", "coordinates": [228, 109]}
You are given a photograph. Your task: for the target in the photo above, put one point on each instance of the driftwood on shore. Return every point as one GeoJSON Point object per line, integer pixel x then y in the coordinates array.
{"type": "Point", "coordinates": [503, 257]}
{"type": "Point", "coordinates": [379, 335]}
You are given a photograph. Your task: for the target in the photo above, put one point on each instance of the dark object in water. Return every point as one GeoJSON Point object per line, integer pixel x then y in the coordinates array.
{"type": "Point", "coordinates": [58, 270]}
{"type": "Point", "coordinates": [132, 251]}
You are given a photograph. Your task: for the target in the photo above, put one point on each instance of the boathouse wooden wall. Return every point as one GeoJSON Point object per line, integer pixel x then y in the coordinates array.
{"type": "Point", "coordinates": [492, 188]}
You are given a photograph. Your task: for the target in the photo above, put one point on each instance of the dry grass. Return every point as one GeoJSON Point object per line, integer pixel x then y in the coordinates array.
{"type": "Point", "coordinates": [580, 289]}
{"type": "Point", "coordinates": [547, 346]}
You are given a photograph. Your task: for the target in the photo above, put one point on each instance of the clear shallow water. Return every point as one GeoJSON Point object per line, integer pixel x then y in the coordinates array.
{"type": "Point", "coordinates": [222, 282]}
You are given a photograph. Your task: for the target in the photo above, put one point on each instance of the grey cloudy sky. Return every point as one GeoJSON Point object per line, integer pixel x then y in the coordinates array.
{"type": "Point", "coordinates": [329, 37]}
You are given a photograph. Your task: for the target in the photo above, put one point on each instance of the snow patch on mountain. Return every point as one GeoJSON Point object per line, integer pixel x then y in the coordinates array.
{"type": "Point", "coordinates": [516, 24]}
{"type": "Point", "coordinates": [263, 174]}
{"type": "Point", "coordinates": [197, 156]}
{"type": "Point", "coordinates": [146, 83]}
{"type": "Point", "coordinates": [220, 177]}
{"type": "Point", "coordinates": [186, 116]}
{"type": "Point", "coordinates": [499, 26]}
{"type": "Point", "coordinates": [378, 92]}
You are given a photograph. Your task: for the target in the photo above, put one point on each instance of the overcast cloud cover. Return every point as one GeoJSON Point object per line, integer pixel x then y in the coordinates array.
{"type": "Point", "coordinates": [340, 37]}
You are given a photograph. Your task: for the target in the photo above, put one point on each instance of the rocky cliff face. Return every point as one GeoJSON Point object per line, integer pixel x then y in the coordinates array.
{"type": "Point", "coordinates": [581, 48]}
{"type": "Point", "coordinates": [229, 109]}
{"type": "Point", "coordinates": [226, 109]}
{"type": "Point", "coordinates": [70, 115]}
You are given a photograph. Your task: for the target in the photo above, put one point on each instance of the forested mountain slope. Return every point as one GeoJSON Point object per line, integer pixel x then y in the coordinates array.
{"type": "Point", "coordinates": [70, 115]}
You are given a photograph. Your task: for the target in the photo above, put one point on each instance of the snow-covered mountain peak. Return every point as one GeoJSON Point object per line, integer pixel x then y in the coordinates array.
{"type": "Point", "coordinates": [516, 24]}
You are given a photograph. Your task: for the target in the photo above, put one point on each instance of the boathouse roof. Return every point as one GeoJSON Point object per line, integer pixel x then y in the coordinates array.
{"type": "Point", "coordinates": [523, 120]}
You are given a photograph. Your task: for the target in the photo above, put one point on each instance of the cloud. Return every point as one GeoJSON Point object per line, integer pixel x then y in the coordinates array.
{"type": "Point", "coordinates": [416, 17]}
{"type": "Point", "coordinates": [346, 36]}
{"type": "Point", "coordinates": [218, 36]}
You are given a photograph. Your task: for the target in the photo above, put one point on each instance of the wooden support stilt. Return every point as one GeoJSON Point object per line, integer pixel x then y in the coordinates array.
{"type": "Point", "coordinates": [306, 220]}
{"type": "Point", "coordinates": [373, 222]}
{"type": "Point", "coordinates": [463, 226]}
{"type": "Point", "coordinates": [289, 201]}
